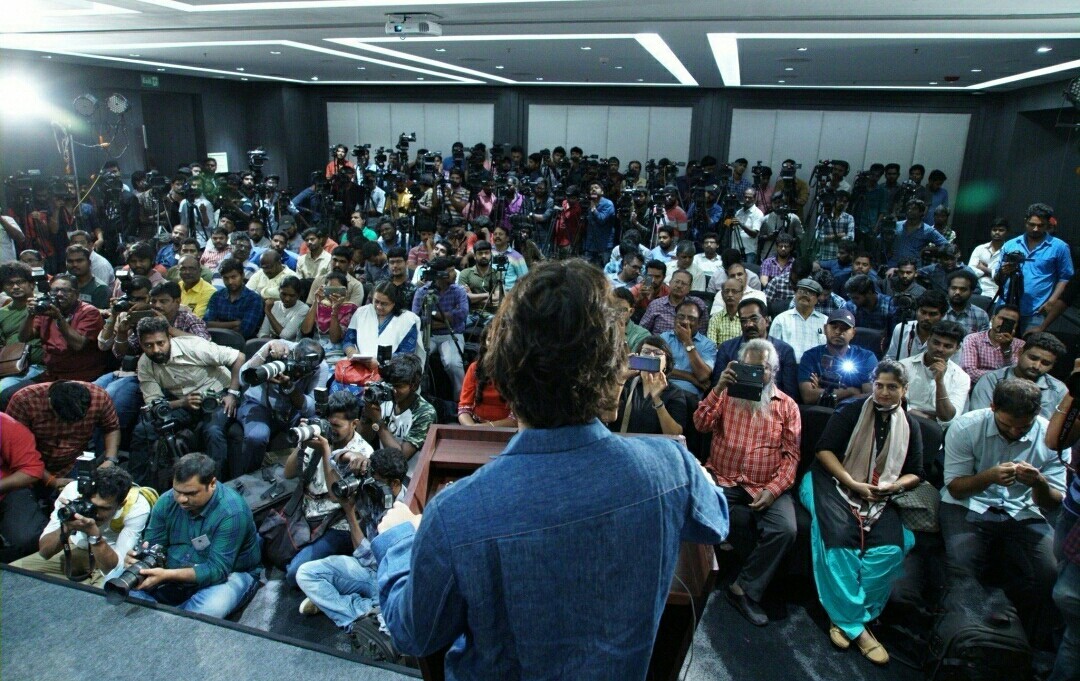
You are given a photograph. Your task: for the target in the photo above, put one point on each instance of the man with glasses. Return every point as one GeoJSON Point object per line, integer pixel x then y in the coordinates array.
{"type": "Point", "coordinates": [1046, 267]}
{"type": "Point", "coordinates": [693, 355]}
{"type": "Point", "coordinates": [660, 315]}
{"type": "Point", "coordinates": [67, 328]}
{"type": "Point", "coordinates": [630, 272]}
{"type": "Point", "coordinates": [754, 319]}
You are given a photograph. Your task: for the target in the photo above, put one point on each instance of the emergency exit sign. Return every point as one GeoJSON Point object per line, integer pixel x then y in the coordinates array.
{"type": "Point", "coordinates": [150, 81]}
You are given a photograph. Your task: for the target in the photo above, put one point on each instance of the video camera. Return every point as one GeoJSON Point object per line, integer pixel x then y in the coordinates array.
{"type": "Point", "coordinates": [118, 588]}
{"type": "Point", "coordinates": [257, 158]}
{"type": "Point", "coordinates": [1013, 258]}
{"type": "Point", "coordinates": [361, 150]}
{"type": "Point", "coordinates": [431, 276]}
{"type": "Point", "coordinates": [349, 487]}
{"type": "Point", "coordinates": [403, 142]}
{"type": "Point", "coordinates": [500, 261]}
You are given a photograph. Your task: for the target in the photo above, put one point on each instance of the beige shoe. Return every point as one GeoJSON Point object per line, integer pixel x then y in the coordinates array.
{"type": "Point", "coordinates": [308, 608]}
{"type": "Point", "coordinates": [838, 638]}
{"type": "Point", "coordinates": [872, 649]}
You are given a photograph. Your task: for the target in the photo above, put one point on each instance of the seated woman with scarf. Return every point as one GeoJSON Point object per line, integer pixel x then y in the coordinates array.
{"type": "Point", "coordinates": [648, 403]}
{"type": "Point", "coordinates": [384, 322]}
{"type": "Point", "coordinates": [870, 450]}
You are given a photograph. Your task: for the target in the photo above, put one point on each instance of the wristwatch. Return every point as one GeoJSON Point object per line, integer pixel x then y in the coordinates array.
{"type": "Point", "coordinates": [376, 426]}
{"type": "Point", "coordinates": [689, 349]}
{"type": "Point", "coordinates": [234, 393]}
{"type": "Point", "coordinates": [93, 540]}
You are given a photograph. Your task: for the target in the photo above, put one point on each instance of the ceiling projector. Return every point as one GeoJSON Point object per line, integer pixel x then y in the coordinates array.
{"type": "Point", "coordinates": [412, 24]}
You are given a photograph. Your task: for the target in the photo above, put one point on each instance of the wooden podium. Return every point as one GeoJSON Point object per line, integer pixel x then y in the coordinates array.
{"type": "Point", "coordinates": [453, 452]}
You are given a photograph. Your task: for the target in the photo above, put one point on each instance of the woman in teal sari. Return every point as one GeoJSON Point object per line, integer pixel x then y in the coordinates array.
{"type": "Point", "coordinates": [870, 450]}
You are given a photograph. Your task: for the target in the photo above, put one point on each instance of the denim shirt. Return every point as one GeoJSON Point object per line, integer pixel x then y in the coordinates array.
{"type": "Point", "coordinates": [552, 561]}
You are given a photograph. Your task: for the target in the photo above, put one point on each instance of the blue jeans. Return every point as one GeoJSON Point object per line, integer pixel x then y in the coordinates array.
{"type": "Point", "coordinates": [260, 424]}
{"type": "Point", "coordinates": [1067, 600]}
{"type": "Point", "coordinates": [340, 586]}
{"type": "Point", "coordinates": [216, 601]}
{"type": "Point", "coordinates": [126, 397]}
{"type": "Point", "coordinates": [33, 372]}
{"type": "Point", "coordinates": [332, 543]}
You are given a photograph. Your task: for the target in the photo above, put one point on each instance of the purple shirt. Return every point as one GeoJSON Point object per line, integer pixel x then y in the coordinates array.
{"type": "Point", "coordinates": [453, 302]}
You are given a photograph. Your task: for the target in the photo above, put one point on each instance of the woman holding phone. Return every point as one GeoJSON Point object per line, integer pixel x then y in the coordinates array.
{"type": "Point", "coordinates": [648, 403]}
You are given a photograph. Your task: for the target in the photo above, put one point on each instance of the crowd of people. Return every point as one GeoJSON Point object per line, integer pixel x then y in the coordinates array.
{"type": "Point", "coordinates": [145, 341]}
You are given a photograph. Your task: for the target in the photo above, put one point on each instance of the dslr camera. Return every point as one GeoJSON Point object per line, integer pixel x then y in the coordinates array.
{"type": "Point", "coordinates": [83, 473]}
{"type": "Point", "coordinates": [118, 588]}
{"type": "Point", "coordinates": [42, 303]}
{"type": "Point", "coordinates": [317, 427]}
{"type": "Point", "coordinates": [350, 486]}
{"type": "Point", "coordinates": [295, 369]}
{"type": "Point", "coordinates": [378, 392]}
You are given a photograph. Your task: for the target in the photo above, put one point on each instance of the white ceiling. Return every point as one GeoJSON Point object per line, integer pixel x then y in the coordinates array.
{"type": "Point", "coordinates": [961, 45]}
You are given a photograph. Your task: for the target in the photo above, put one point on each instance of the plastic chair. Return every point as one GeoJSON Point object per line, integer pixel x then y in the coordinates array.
{"type": "Point", "coordinates": [228, 338]}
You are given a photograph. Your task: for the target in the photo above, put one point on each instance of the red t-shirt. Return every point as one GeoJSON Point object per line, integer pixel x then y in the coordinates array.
{"type": "Point", "coordinates": [18, 451]}
{"type": "Point", "coordinates": [60, 361]}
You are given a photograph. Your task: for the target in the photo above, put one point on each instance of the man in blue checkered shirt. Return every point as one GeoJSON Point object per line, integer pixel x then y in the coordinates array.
{"type": "Point", "coordinates": [872, 310]}
{"type": "Point", "coordinates": [236, 307]}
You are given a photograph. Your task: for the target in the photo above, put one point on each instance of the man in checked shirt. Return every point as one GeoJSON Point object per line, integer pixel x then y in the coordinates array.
{"type": "Point", "coordinates": [755, 453]}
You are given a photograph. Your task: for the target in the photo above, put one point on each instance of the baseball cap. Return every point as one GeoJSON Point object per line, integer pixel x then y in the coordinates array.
{"type": "Point", "coordinates": [841, 315]}
{"type": "Point", "coordinates": [810, 285]}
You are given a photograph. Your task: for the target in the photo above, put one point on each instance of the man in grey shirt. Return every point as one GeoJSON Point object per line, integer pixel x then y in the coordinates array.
{"type": "Point", "coordinates": [1041, 351]}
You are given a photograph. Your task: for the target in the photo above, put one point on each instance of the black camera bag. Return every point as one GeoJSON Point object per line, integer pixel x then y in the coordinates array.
{"type": "Point", "coordinates": [978, 638]}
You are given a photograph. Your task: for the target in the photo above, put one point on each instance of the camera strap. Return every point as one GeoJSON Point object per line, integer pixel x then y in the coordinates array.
{"type": "Point", "coordinates": [66, 544]}
{"type": "Point", "coordinates": [1066, 428]}
{"type": "Point", "coordinates": [305, 479]}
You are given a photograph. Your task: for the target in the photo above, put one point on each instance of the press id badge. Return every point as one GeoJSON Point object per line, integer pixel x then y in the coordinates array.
{"type": "Point", "coordinates": [201, 543]}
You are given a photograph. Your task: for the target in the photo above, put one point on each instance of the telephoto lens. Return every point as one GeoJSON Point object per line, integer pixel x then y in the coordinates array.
{"type": "Point", "coordinates": [346, 488]}
{"type": "Point", "coordinates": [261, 374]}
{"type": "Point", "coordinates": [118, 588]}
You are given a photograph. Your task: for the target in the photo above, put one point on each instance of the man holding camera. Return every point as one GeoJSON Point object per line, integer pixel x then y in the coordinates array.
{"type": "Point", "coordinates": [754, 321]}
{"type": "Point", "coordinates": [212, 557]}
{"type": "Point", "coordinates": [913, 235]}
{"type": "Point", "coordinates": [995, 348]}
{"type": "Point", "coordinates": [601, 221]}
{"type": "Point", "coordinates": [836, 370]}
{"type": "Point", "coordinates": [279, 390]}
{"type": "Point", "coordinates": [67, 328]}
{"type": "Point", "coordinates": [1040, 352]}
{"type": "Point", "coordinates": [341, 448]}
{"type": "Point", "coordinates": [506, 260]}
{"type": "Point", "coordinates": [910, 337]}
{"type": "Point", "coordinates": [445, 306]}
{"type": "Point", "coordinates": [94, 534]}
{"type": "Point", "coordinates": [176, 375]}
{"type": "Point", "coordinates": [902, 280]}
{"type": "Point", "coordinates": [755, 453]}
{"type": "Point", "coordinates": [17, 282]}
{"type": "Point", "coordinates": [401, 418]}
{"type": "Point", "coordinates": [344, 587]}
{"type": "Point", "coordinates": [1036, 263]}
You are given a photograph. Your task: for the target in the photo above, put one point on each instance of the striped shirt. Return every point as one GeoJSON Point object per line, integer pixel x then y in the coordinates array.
{"type": "Point", "coordinates": [723, 327]}
{"type": "Point", "coordinates": [799, 332]}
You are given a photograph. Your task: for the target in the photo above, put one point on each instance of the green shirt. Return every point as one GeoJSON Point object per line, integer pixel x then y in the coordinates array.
{"type": "Point", "coordinates": [11, 320]}
{"type": "Point", "coordinates": [95, 293]}
{"type": "Point", "coordinates": [226, 524]}
{"type": "Point", "coordinates": [478, 283]}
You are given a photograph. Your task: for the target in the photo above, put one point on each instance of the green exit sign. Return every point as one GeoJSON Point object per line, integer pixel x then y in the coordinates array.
{"type": "Point", "coordinates": [150, 81]}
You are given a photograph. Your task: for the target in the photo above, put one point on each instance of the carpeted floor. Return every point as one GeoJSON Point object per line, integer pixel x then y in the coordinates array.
{"type": "Point", "coordinates": [51, 631]}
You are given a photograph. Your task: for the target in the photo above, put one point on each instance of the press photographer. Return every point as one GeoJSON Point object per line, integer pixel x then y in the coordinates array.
{"type": "Point", "coordinates": [1034, 267]}
{"type": "Point", "coordinates": [95, 521]}
{"type": "Point", "coordinates": [322, 460]}
{"type": "Point", "coordinates": [344, 587]}
{"type": "Point", "coordinates": [394, 413]}
{"type": "Point", "coordinates": [204, 551]}
{"type": "Point", "coordinates": [186, 383]}
{"type": "Point", "coordinates": [279, 389]}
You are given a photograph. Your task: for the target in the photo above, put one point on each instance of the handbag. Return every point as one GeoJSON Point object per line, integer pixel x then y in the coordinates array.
{"type": "Point", "coordinates": [286, 530]}
{"type": "Point", "coordinates": [349, 372]}
{"type": "Point", "coordinates": [14, 360]}
{"type": "Point", "coordinates": [918, 507]}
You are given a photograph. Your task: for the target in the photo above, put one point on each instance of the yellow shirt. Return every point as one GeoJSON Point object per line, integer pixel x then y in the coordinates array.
{"type": "Point", "coordinates": [197, 297]}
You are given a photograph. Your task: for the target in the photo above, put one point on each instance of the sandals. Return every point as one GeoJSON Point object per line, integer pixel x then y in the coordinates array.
{"type": "Point", "coordinates": [871, 648]}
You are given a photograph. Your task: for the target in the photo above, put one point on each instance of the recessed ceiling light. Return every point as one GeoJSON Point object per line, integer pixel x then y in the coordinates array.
{"type": "Point", "coordinates": [619, 68]}
{"type": "Point", "coordinates": [933, 82]}
{"type": "Point", "coordinates": [243, 79]}
{"type": "Point", "coordinates": [789, 68]}
{"type": "Point", "coordinates": [641, 80]}
{"type": "Point", "coordinates": [314, 77]}
{"type": "Point", "coordinates": [781, 81]}
{"type": "Point", "coordinates": [585, 47]}
{"type": "Point", "coordinates": [976, 70]}
{"type": "Point", "coordinates": [500, 67]}
{"type": "Point", "coordinates": [440, 49]}
{"type": "Point", "coordinates": [137, 55]}
{"type": "Point", "coordinates": [275, 52]}
{"type": "Point", "coordinates": [1044, 49]}
{"type": "Point", "coordinates": [46, 56]}
{"type": "Point", "coordinates": [361, 68]}
{"type": "Point", "coordinates": [239, 68]}
{"type": "Point", "coordinates": [161, 69]}
{"type": "Point", "coordinates": [539, 78]}
{"type": "Point", "coordinates": [801, 49]}
{"type": "Point", "coordinates": [419, 78]}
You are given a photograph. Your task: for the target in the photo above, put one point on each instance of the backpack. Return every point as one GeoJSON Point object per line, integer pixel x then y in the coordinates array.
{"type": "Point", "coordinates": [264, 490]}
{"type": "Point", "coordinates": [978, 638]}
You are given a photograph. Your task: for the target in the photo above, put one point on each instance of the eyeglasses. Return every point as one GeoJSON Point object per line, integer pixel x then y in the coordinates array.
{"type": "Point", "coordinates": [686, 318]}
{"type": "Point", "coordinates": [750, 320]}
{"type": "Point", "coordinates": [651, 352]}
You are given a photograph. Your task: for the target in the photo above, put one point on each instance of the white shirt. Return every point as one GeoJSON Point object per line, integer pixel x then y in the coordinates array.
{"type": "Point", "coordinates": [316, 501]}
{"type": "Point", "coordinates": [922, 390]}
{"type": "Point", "coordinates": [798, 332]}
{"type": "Point", "coordinates": [911, 344]}
{"type": "Point", "coordinates": [102, 269]}
{"type": "Point", "coordinates": [750, 218]}
{"type": "Point", "coordinates": [709, 267]}
{"type": "Point", "coordinates": [121, 542]}
{"type": "Point", "coordinates": [200, 231]}
{"type": "Point", "coordinates": [290, 318]}
{"type": "Point", "coordinates": [698, 284]}
{"type": "Point", "coordinates": [985, 255]}
{"type": "Point", "coordinates": [309, 268]}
